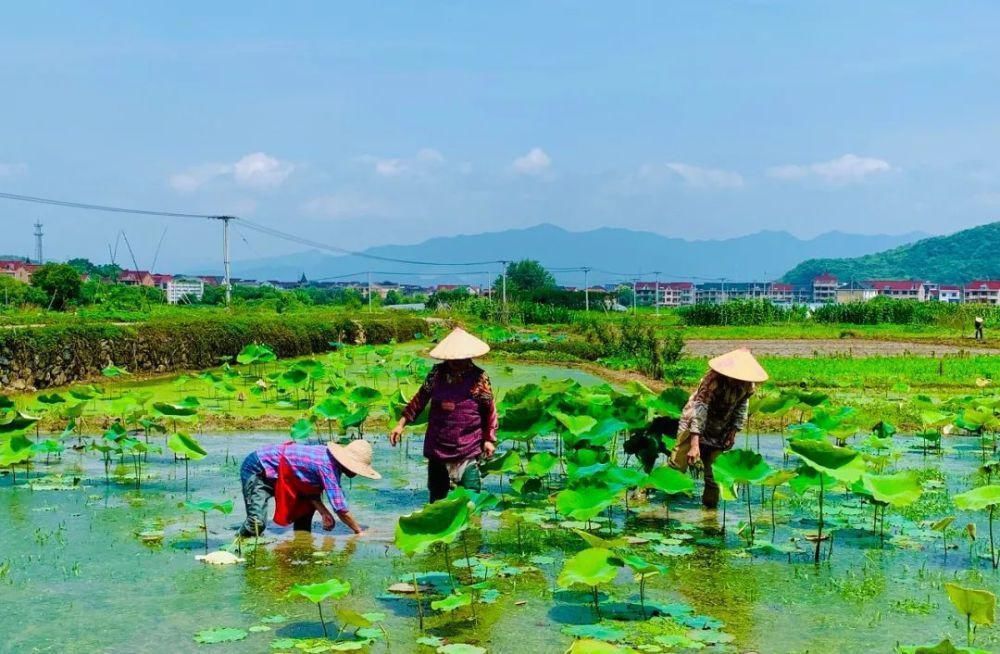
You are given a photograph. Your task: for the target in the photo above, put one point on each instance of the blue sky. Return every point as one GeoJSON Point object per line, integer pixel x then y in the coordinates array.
{"type": "Point", "coordinates": [393, 122]}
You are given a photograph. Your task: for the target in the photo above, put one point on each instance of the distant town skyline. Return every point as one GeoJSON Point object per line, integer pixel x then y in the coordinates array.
{"type": "Point", "coordinates": [391, 124]}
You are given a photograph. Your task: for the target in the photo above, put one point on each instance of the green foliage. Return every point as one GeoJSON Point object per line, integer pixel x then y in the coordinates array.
{"type": "Point", "coordinates": [60, 283]}
{"type": "Point", "coordinates": [316, 593]}
{"type": "Point", "coordinates": [440, 522]}
{"type": "Point", "coordinates": [738, 312]}
{"type": "Point", "coordinates": [590, 567]}
{"type": "Point", "coordinates": [526, 276]}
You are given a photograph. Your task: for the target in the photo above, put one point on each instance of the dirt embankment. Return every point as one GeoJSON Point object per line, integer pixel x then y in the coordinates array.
{"type": "Point", "coordinates": [822, 347]}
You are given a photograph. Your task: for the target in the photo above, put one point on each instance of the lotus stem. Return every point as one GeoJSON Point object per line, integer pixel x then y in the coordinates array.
{"type": "Point", "coordinates": [420, 603]}
{"type": "Point", "coordinates": [749, 517]}
{"type": "Point", "coordinates": [597, 604]}
{"type": "Point", "coordinates": [319, 605]}
{"type": "Point", "coordinates": [819, 531]}
{"type": "Point", "coordinates": [993, 557]}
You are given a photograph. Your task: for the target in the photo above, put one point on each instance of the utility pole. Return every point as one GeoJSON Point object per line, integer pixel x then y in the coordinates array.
{"type": "Point", "coordinates": [227, 280]}
{"type": "Point", "coordinates": [586, 288]}
{"type": "Point", "coordinates": [656, 290]}
{"type": "Point", "coordinates": [635, 285]}
{"type": "Point", "coordinates": [369, 291]}
{"type": "Point", "coordinates": [503, 274]}
{"type": "Point", "coordinates": [38, 242]}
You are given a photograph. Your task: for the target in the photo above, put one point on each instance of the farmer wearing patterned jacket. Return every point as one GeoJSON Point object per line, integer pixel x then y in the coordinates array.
{"type": "Point", "coordinates": [297, 475]}
{"type": "Point", "coordinates": [714, 414]}
{"type": "Point", "coordinates": [462, 424]}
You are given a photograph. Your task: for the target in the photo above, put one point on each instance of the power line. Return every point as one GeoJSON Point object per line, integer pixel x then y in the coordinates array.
{"type": "Point", "coordinates": [101, 207]}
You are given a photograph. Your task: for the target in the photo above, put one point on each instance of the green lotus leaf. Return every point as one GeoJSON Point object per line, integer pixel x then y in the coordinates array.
{"type": "Point", "coordinates": [978, 499]}
{"type": "Point", "coordinates": [205, 506]}
{"type": "Point", "coordinates": [525, 484]}
{"type": "Point", "coordinates": [934, 418]}
{"type": "Point", "coordinates": [944, 647]}
{"type": "Point", "coordinates": [316, 593]}
{"type": "Point", "coordinates": [439, 522]}
{"type": "Point", "coordinates": [331, 408]}
{"type": "Point", "coordinates": [174, 410]}
{"type": "Point", "coordinates": [807, 431]}
{"type": "Point", "coordinates": [541, 463]}
{"type": "Point", "coordinates": [17, 423]}
{"type": "Point", "coordinates": [452, 602]}
{"type": "Point", "coordinates": [884, 429]}
{"type": "Point", "coordinates": [509, 461]}
{"type": "Point", "coordinates": [186, 445]}
{"type": "Point", "coordinates": [978, 605]}
{"type": "Point", "coordinates": [219, 635]}
{"type": "Point", "coordinates": [592, 646]}
{"type": "Point", "coordinates": [597, 541]}
{"type": "Point", "coordinates": [460, 648]}
{"type": "Point", "coordinates": [351, 618]}
{"type": "Point", "coordinates": [669, 403]}
{"type": "Point", "coordinates": [590, 567]}
{"type": "Point", "coordinates": [604, 431]}
{"type": "Point", "coordinates": [585, 502]}
{"type": "Point", "coordinates": [812, 399]}
{"type": "Point", "coordinates": [740, 467]}
{"type": "Point", "coordinates": [667, 480]}
{"type": "Point", "coordinates": [365, 395]}
{"type": "Point", "coordinates": [522, 417]}
{"type": "Point", "coordinates": [778, 478]}
{"type": "Point", "coordinates": [302, 429]}
{"type": "Point", "coordinates": [900, 489]}
{"type": "Point", "coordinates": [595, 631]}
{"type": "Point", "coordinates": [841, 463]}
{"type": "Point", "coordinates": [294, 377]}
{"type": "Point", "coordinates": [576, 425]}
{"type": "Point", "coordinates": [640, 566]}
{"type": "Point", "coordinates": [114, 371]}
{"type": "Point", "coordinates": [48, 446]}
{"type": "Point", "coordinates": [16, 449]}
{"type": "Point", "coordinates": [7, 403]}
{"type": "Point", "coordinates": [617, 476]}
{"type": "Point", "coordinates": [776, 405]}
{"type": "Point", "coordinates": [54, 398]}
{"type": "Point", "coordinates": [355, 418]}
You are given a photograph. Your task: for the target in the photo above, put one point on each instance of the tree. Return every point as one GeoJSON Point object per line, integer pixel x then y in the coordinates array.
{"type": "Point", "coordinates": [60, 282]}
{"type": "Point", "coordinates": [393, 297]}
{"type": "Point", "coordinates": [526, 275]}
{"type": "Point", "coordinates": [14, 293]}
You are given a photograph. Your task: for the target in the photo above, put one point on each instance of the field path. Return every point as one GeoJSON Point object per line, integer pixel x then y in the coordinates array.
{"type": "Point", "coordinates": [826, 346]}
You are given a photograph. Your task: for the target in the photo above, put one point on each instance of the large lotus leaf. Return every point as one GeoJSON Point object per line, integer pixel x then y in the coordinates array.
{"type": "Point", "coordinates": [302, 429]}
{"type": "Point", "coordinates": [50, 446]}
{"type": "Point", "coordinates": [541, 463]}
{"type": "Point", "coordinates": [978, 498]}
{"type": "Point", "coordinates": [7, 403]}
{"type": "Point", "coordinates": [590, 567]}
{"type": "Point", "coordinates": [187, 446]}
{"type": "Point", "coordinates": [841, 463]}
{"type": "Point", "coordinates": [17, 423]}
{"type": "Point", "coordinates": [617, 476]}
{"type": "Point", "coordinates": [740, 467]}
{"type": "Point", "coordinates": [219, 635]}
{"type": "Point", "coordinates": [331, 408]}
{"type": "Point", "coordinates": [174, 410]}
{"type": "Point", "coordinates": [944, 647]}
{"type": "Point", "coordinates": [355, 418]}
{"type": "Point", "coordinates": [884, 429]}
{"type": "Point", "coordinates": [806, 478]}
{"type": "Point", "coordinates": [452, 602]}
{"type": "Point", "coordinates": [978, 605]}
{"type": "Point", "coordinates": [776, 405]}
{"type": "Point", "coordinates": [667, 480]}
{"type": "Point", "coordinates": [54, 398]}
{"type": "Point", "coordinates": [812, 399]}
{"type": "Point", "coordinates": [640, 566]}
{"type": "Point", "coordinates": [592, 646]}
{"type": "Point", "coordinates": [509, 461]}
{"type": "Point", "coordinates": [460, 648]}
{"type": "Point", "coordinates": [316, 593]}
{"type": "Point", "coordinates": [521, 417]}
{"type": "Point", "coordinates": [596, 541]}
{"type": "Point", "coordinates": [16, 449]}
{"type": "Point", "coordinates": [294, 377]}
{"type": "Point", "coordinates": [604, 431]}
{"type": "Point", "coordinates": [585, 502]}
{"type": "Point", "coordinates": [365, 395]}
{"type": "Point", "coordinates": [205, 506]}
{"type": "Point", "coordinates": [778, 477]}
{"type": "Point", "coordinates": [576, 425]}
{"type": "Point", "coordinates": [832, 420]}
{"type": "Point", "coordinates": [900, 489]}
{"type": "Point", "coordinates": [525, 484]}
{"type": "Point", "coordinates": [669, 403]}
{"type": "Point", "coordinates": [519, 394]}
{"type": "Point", "coordinates": [807, 431]}
{"type": "Point", "coordinates": [439, 522]}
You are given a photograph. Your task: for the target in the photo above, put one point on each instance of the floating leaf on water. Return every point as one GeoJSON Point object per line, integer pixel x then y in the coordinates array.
{"type": "Point", "coordinates": [430, 641]}
{"type": "Point", "coordinates": [460, 648]}
{"type": "Point", "coordinates": [591, 646]}
{"type": "Point", "coordinates": [259, 628]}
{"type": "Point", "coordinates": [329, 589]}
{"type": "Point", "coordinates": [452, 602]}
{"type": "Point", "coordinates": [273, 619]}
{"type": "Point", "coordinates": [219, 635]}
{"type": "Point", "coordinates": [595, 631]}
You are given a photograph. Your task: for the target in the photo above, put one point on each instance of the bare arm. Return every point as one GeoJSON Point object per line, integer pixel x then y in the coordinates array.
{"type": "Point", "coordinates": [348, 519]}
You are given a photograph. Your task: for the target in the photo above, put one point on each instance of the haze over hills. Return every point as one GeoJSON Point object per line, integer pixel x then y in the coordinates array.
{"type": "Point", "coordinates": [956, 258]}
{"type": "Point", "coordinates": [760, 256]}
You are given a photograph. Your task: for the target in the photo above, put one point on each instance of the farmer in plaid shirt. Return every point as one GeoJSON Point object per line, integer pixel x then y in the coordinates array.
{"type": "Point", "coordinates": [297, 475]}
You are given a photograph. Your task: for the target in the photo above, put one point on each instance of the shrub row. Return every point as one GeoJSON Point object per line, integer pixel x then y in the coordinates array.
{"type": "Point", "coordinates": [55, 355]}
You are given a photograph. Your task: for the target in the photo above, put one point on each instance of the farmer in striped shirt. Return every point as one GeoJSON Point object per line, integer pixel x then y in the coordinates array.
{"type": "Point", "coordinates": [297, 475]}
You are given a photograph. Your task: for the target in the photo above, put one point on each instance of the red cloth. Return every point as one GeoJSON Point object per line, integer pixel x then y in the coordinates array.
{"type": "Point", "coordinates": [293, 498]}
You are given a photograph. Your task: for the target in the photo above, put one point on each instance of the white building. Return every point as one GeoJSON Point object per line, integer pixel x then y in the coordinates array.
{"type": "Point", "coordinates": [178, 287]}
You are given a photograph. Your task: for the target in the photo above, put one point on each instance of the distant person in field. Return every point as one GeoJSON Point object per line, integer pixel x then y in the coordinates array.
{"type": "Point", "coordinates": [462, 424]}
{"type": "Point", "coordinates": [714, 414]}
{"type": "Point", "coordinates": [979, 327]}
{"type": "Point", "coordinates": [297, 476]}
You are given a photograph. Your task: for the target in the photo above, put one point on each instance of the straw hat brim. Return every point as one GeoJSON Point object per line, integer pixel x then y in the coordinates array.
{"type": "Point", "coordinates": [739, 364]}
{"type": "Point", "coordinates": [459, 344]}
{"type": "Point", "coordinates": [350, 460]}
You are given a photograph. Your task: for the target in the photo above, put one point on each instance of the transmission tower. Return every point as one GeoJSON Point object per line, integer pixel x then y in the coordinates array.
{"type": "Point", "coordinates": [38, 242]}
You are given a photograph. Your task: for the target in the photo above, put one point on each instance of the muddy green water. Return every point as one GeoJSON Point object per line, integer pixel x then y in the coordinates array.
{"type": "Point", "coordinates": [75, 578]}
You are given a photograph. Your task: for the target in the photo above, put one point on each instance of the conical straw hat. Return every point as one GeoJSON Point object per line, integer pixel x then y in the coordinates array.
{"type": "Point", "coordinates": [739, 364]}
{"type": "Point", "coordinates": [459, 344]}
{"type": "Point", "coordinates": [356, 456]}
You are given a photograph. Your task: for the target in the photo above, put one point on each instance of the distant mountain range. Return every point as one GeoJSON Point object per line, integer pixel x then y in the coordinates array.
{"type": "Point", "coordinates": [957, 258]}
{"type": "Point", "coordinates": [614, 255]}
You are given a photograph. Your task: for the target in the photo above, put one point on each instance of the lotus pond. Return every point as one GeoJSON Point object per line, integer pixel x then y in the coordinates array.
{"type": "Point", "coordinates": [835, 537]}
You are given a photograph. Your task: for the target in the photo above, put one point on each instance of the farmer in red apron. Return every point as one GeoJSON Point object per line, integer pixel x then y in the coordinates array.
{"type": "Point", "coordinates": [297, 475]}
{"type": "Point", "coordinates": [462, 424]}
{"type": "Point", "coordinates": [714, 414]}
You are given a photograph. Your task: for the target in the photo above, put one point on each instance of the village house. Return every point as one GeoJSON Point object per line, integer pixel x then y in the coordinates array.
{"type": "Point", "coordinates": [19, 270]}
{"type": "Point", "coordinates": [179, 289]}
{"type": "Point", "coordinates": [948, 293]}
{"type": "Point", "coordinates": [824, 289]}
{"type": "Point", "coordinates": [985, 291]}
{"type": "Point", "coordinates": [855, 292]}
{"type": "Point", "coordinates": [136, 278]}
{"type": "Point", "coordinates": [899, 290]}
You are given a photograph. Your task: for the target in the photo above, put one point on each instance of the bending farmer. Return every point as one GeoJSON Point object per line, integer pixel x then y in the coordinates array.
{"type": "Point", "coordinates": [714, 414]}
{"type": "Point", "coordinates": [296, 476]}
{"type": "Point", "coordinates": [462, 424]}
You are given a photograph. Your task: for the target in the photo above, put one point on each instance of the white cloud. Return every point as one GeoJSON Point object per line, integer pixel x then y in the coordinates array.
{"type": "Point", "coordinates": [691, 175]}
{"type": "Point", "coordinates": [846, 169]}
{"type": "Point", "coordinates": [422, 161]}
{"type": "Point", "coordinates": [256, 171]}
{"type": "Point", "coordinates": [535, 162]}
{"type": "Point", "coordinates": [343, 205]}
{"type": "Point", "coordinates": [12, 169]}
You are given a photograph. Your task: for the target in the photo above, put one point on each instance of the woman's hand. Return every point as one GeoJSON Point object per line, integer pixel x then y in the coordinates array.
{"type": "Point", "coordinates": [489, 449]}
{"type": "Point", "coordinates": [396, 434]}
{"type": "Point", "coordinates": [328, 522]}
{"type": "Point", "coordinates": [694, 452]}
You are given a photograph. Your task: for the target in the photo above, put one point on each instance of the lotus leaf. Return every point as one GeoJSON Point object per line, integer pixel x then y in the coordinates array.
{"type": "Point", "coordinates": [316, 593]}
{"type": "Point", "coordinates": [54, 398]}
{"type": "Point", "coordinates": [591, 646]}
{"type": "Point", "coordinates": [595, 631]}
{"type": "Point", "coordinates": [302, 429]}
{"type": "Point", "coordinates": [509, 461]}
{"type": "Point", "coordinates": [186, 446]}
{"type": "Point", "coordinates": [841, 463]}
{"type": "Point", "coordinates": [452, 602]}
{"type": "Point", "coordinates": [590, 567]}
{"type": "Point", "coordinates": [944, 647]}
{"type": "Point", "coordinates": [576, 425]}
{"type": "Point", "coordinates": [439, 522]}
{"type": "Point", "coordinates": [114, 371]}
{"type": "Point", "coordinates": [978, 605]}
{"type": "Point", "coordinates": [585, 502]}
{"type": "Point", "coordinates": [220, 635]}
{"type": "Point", "coordinates": [351, 618]}
{"type": "Point", "coordinates": [365, 395]}
{"type": "Point", "coordinates": [174, 410]}
{"type": "Point", "coordinates": [17, 423]}
{"type": "Point", "coordinates": [460, 648]}
{"type": "Point", "coordinates": [900, 489]}
{"type": "Point", "coordinates": [741, 467]}
{"type": "Point", "coordinates": [205, 506]}
{"type": "Point", "coordinates": [978, 499]}
{"type": "Point", "coordinates": [331, 408]}
{"type": "Point", "coordinates": [541, 463]}
{"type": "Point", "coordinates": [16, 449]}
{"type": "Point", "coordinates": [667, 480]}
